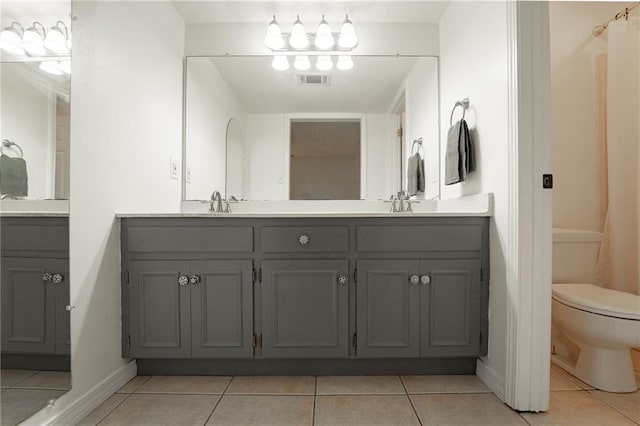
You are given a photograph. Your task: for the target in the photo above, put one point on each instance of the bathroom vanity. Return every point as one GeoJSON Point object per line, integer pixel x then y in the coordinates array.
{"type": "Point", "coordinates": [35, 292]}
{"type": "Point", "coordinates": [286, 294]}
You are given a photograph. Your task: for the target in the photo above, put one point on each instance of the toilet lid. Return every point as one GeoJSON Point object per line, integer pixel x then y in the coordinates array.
{"type": "Point", "coordinates": [599, 300]}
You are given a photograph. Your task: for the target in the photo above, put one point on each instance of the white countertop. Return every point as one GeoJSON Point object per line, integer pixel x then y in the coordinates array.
{"type": "Point", "coordinates": [34, 208]}
{"type": "Point", "coordinates": [473, 205]}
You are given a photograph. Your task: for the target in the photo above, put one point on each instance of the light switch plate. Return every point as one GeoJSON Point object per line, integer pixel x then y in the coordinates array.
{"type": "Point", "coordinates": [173, 168]}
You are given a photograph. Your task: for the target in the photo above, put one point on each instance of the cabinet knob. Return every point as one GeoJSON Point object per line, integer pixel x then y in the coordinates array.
{"type": "Point", "coordinates": [57, 278]}
{"type": "Point", "coordinates": [304, 240]}
{"type": "Point", "coordinates": [183, 280]}
{"type": "Point", "coordinates": [414, 279]}
{"type": "Point", "coordinates": [425, 279]}
{"type": "Point", "coordinates": [194, 279]}
{"type": "Point", "coordinates": [46, 277]}
{"type": "Point", "coordinates": [343, 280]}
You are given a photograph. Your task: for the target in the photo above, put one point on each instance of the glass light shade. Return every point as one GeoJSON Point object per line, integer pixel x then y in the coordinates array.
{"type": "Point", "coordinates": [51, 67]}
{"type": "Point", "coordinates": [348, 38]}
{"type": "Point", "coordinates": [324, 63]}
{"type": "Point", "coordinates": [32, 42]}
{"type": "Point", "coordinates": [302, 63]}
{"type": "Point", "coordinates": [344, 63]}
{"type": "Point", "coordinates": [324, 38]}
{"type": "Point", "coordinates": [298, 38]}
{"type": "Point", "coordinates": [56, 41]}
{"type": "Point", "coordinates": [274, 39]}
{"type": "Point", "coordinates": [65, 67]}
{"type": "Point", "coordinates": [11, 42]}
{"type": "Point", "coordinates": [280, 63]}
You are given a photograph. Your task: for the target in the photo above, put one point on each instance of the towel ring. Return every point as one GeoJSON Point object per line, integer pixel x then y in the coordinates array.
{"type": "Point", "coordinates": [464, 104]}
{"type": "Point", "coordinates": [8, 144]}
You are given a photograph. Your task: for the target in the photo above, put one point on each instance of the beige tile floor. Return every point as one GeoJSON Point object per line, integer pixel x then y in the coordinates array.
{"type": "Point", "coordinates": [356, 400]}
{"type": "Point", "coordinates": [25, 392]}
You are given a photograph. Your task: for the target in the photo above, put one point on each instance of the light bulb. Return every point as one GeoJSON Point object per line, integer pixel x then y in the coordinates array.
{"type": "Point", "coordinates": [10, 40]}
{"type": "Point", "coordinates": [280, 63]}
{"type": "Point", "coordinates": [32, 40]}
{"type": "Point", "coordinates": [51, 67]}
{"type": "Point", "coordinates": [324, 63]}
{"type": "Point", "coordinates": [344, 63]}
{"type": "Point", "coordinates": [298, 38]}
{"type": "Point", "coordinates": [324, 38]}
{"type": "Point", "coordinates": [65, 67]}
{"type": "Point", "coordinates": [348, 38]}
{"type": "Point", "coordinates": [274, 39]}
{"type": "Point", "coordinates": [56, 40]}
{"type": "Point", "coordinates": [302, 63]}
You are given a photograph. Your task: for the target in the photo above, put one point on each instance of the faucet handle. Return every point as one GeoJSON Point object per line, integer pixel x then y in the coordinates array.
{"type": "Point", "coordinates": [227, 206]}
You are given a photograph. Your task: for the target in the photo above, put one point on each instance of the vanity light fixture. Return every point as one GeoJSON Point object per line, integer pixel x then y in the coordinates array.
{"type": "Point", "coordinates": [324, 63]}
{"type": "Point", "coordinates": [348, 38]}
{"type": "Point", "coordinates": [33, 40]}
{"type": "Point", "coordinates": [280, 62]}
{"type": "Point", "coordinates": [51, 67]}
{"type": "Point", "coordinates": [302, 63]}
{"type": "Point", "coordinates": [57, 39]}
{"type": "Point", "coordinates": [298, 38]}
{"type": "Point", "coordinates": [11, 39]}
{"type": "Point", "coordinates": [65, 67]}
{"type": "Point", "coordinates": [324, 38]}
{"type": "Point", "coordinates": [274, 40]}
{"type": "Point", "coordinates": [344, 63]}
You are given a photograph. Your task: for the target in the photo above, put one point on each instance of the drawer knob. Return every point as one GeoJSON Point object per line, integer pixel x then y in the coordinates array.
{"type": "Point", "coordinates": [46, 277]}
{"type": "Point", "coordinates": [183, 280]}
{"type": "Point", "coordinates": [343, 280]}
{"type": "Point", "coordinates": [304, 240]}
{"type": "Point", "coordinates": [425, 279]}
{"type": "Point", "coordinates": [414, 279]}
{"type": "Point", "coordinates": [194, 279]}
{"type": "Point", "coordinates": [57, 278]}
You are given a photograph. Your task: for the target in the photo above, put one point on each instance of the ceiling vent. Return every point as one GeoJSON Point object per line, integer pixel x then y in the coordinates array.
{"type": "Point", "coordinates": [313, 80]}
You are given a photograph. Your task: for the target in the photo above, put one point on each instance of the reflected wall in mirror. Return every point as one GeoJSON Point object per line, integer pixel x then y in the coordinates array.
{"type": "Point", "coordinates": [35, 132]}
{"type": "Point", "coordinates": [393, 98]}
{"type": "Point", "coordinates": [235, 160]}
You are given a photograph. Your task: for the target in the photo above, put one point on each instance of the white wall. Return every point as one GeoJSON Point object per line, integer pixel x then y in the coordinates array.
{"type": "Point", "coordinates": [125, 125]}
{"type": "Point", "coordinates": [421, 103]}
{"type": "Point", "coordinates": [268, 166]}
{"type": "Point", "coordinates": [574, 108]}
{"type": "Point", "coordinates": [211, 104]}
{"type": "Point", "coordinates": [28, 119]}
{"type": "Point", "coordinates": [473, 64]}
{"type": "Point", "coordinates": [374, 38]}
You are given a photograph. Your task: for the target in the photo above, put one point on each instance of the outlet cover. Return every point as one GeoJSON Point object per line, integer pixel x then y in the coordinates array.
{"type": "Point", "coordinates": [173, 168]}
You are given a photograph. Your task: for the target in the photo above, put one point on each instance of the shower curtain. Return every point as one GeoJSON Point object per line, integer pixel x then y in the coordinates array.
{"type": "Point", "coordinates": [619, 260]}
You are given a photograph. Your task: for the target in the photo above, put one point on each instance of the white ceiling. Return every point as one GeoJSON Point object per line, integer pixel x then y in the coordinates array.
{"type": "Point", "coordinates": [221, 11]}
{"type": "Point", "coordinates": [370, 86]}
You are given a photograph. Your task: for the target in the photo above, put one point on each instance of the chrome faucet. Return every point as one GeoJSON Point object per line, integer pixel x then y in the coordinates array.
{"type": "Point", "coordinates": [402, 197]}
{"type": "Point", "coordinates": [215, 204]}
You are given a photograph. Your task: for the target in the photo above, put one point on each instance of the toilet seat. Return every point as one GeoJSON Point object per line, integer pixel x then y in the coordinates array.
{"type": "Point", "coordinates": [598, 300]}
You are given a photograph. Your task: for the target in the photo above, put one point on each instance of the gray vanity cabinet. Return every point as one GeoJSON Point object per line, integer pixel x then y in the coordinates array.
{"type": "Point", "coordinates": [305, 309]}
{"type": "Point", "coordinates": [191, 309]}
{"type": "Point", "coordinates": [29, 305]}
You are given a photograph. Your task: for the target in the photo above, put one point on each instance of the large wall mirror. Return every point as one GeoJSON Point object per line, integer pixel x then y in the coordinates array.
{"type": "Point", "coordinates": [34, 165]}
{"type": "Point", "coordinates": [258, 133]}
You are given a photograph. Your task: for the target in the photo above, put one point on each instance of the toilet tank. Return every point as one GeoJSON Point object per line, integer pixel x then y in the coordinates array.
{"type": "Point", "coordinates": [575, 255]}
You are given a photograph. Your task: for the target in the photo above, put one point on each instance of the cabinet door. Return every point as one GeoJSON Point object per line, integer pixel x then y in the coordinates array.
{"type": "Point", "coordinates": [450, 319]}
{"type": "Point", "coordinates": [28, 305]}
{"type": "Point", "coordinates": [159, 310]}
{"type": "Point", "coordinates": [222, 309]}
{"type": "Point", "coordinates": [304, 309]}
{"type": "Point", "coordinates": [387, 309]}
{"type": "Point", "coordinates": [63, 319]}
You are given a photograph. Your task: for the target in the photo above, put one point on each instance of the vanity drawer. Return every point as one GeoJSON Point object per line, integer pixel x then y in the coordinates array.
{"type": "Point", "coordinates": [304, 239]}
{"type": "Point", "coordinates": [154, 239]}
{"type": "Point", "coordinates": [419, 238]}
{"type": "Point", "coordinates": [35, 237]}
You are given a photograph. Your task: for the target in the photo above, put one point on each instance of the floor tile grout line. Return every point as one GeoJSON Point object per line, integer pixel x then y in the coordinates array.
{"type": "Point", "coordinates": [611, 406]}
{"type": "Point", "coordinates": [219, 400]}
{"type": "Point", "coordinates": [415, 412]}
{"type": "Point", "coordinates": [315, 396]}
{"type": "Point", "coordinates": [110, 412]}
{"type": "Point", "coordinates": [20, 381]}
{"type": "Point", "coordinates": [522, 417]}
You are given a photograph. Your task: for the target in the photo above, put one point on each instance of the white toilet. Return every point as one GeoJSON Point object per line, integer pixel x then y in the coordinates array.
{"type": "Point", "coordinates": [594, 328]}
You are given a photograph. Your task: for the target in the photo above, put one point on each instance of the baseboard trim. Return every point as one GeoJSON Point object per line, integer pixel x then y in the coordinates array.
{"type": "Point", "coordinates": [76, 410]}
{"type": "Point", "coordinates": [491, 379]}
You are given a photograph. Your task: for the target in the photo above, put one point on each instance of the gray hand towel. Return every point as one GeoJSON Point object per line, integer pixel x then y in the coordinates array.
{"type": "Point", "coordinates": [452, 156]}
{"type": "Point", "coordinates": [415, 174]}
{"type": "Point", "coordinates": [13, 176]}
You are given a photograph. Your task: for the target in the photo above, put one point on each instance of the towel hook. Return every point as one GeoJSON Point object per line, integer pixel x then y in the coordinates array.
{"type": "Point", "coordinates": [6, 143]}
{"type": "Point", "coordinates": [419, 143]}
{"type": "Point", "coordinates": [464, 104]}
